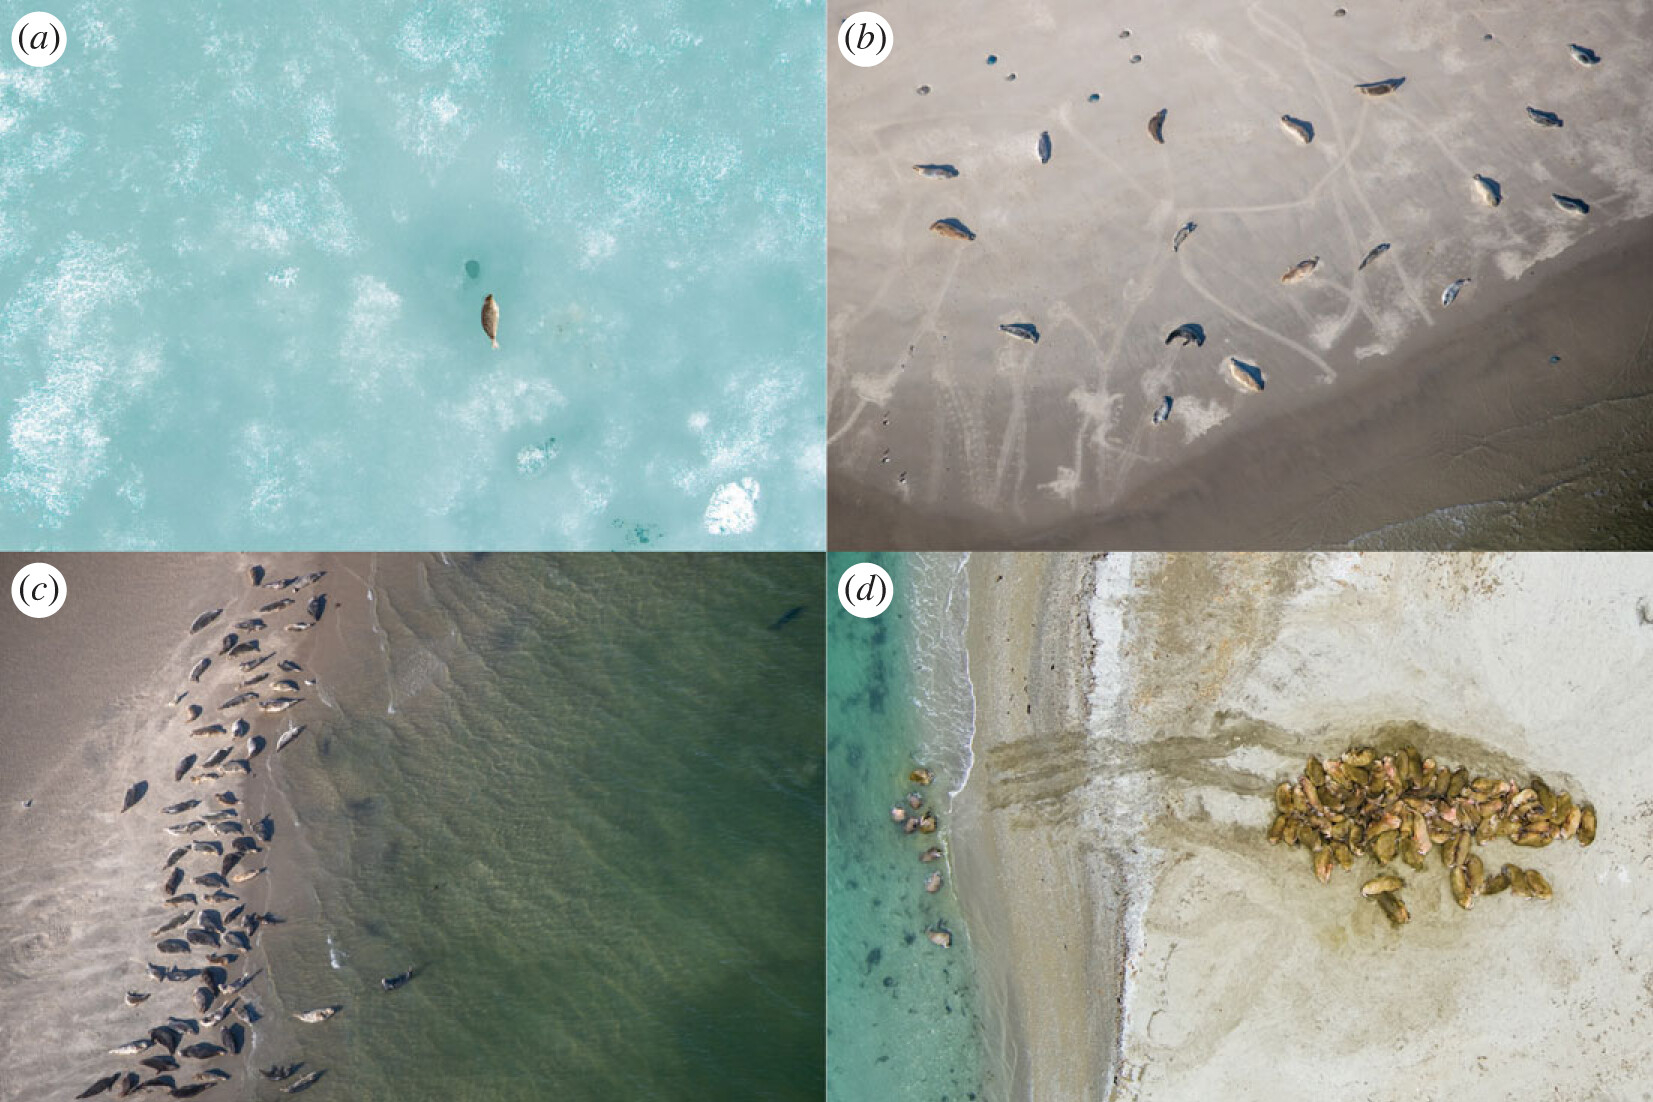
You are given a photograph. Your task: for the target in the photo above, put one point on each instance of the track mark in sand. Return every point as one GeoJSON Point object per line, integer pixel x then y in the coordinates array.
{"type": "Point", "coordinates": [1326, 371]}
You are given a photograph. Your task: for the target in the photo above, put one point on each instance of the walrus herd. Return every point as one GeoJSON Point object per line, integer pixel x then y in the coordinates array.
{"type": "Point", "coordinates": [218, 843]}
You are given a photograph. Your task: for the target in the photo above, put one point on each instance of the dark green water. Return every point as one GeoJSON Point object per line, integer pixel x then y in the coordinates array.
{"type": "Point", "coordinates": [593, 820]}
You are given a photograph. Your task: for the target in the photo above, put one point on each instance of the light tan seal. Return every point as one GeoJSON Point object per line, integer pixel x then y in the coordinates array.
{"type": "Point", "coordinates": [490, 319]}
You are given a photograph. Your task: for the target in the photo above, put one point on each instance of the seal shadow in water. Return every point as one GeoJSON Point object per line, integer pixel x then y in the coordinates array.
{"type": "Point", "coordinates": [787, 617]}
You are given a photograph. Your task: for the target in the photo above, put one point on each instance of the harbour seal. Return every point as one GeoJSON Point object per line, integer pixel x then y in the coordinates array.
{"type": "Point", "coordinates": [204, 619]}
{"type": "Point", "coordinates": [952, 227]}
{"type": "Point", "coordinates": [255, 624]}
{"type": "Point", "coordinates": [202, 1050]}
{"type": "Point", "coordinates": [100, 1086]}
{"type": "Point", "coordinates": [308, 580]}
{"type": "Point", "coordinates": [192, 713]}
{"type": "Point", "coordinates": [306, 1083]}
{"type": "Point", "coordinates": [1163, 413]}
{"type": "Point", "coordinates": [1248, 375]}
{"type": "Point", "coordinates": [255, 574]}
{"type": "Point", "coordinates": [180, 807]}
{"type": "Point", "coordinates": [133, 795]}
{"type": "Point", "coordinates": [131, 1048]}
{"type": "Point", "coordinates": [305, 625]}
{"type": "Point", "coordinates": [1584, 55]}
{"type": "Point", "coordinates": [1044, 147]}
{"type": "Point", "coordinates": [237, 700]}
{"type": "Point", "coordinates": [201, 667]}
{"type": "Point", "coordinates": [318, 605]}
{"type": "Point", "coordinates": [227, 643]}
{"type": "Point", "coordinates": [921, 776]}
{"type": "Point", "coordinates": [1301, 129]}
{"type": "Point", "coordinates": [172, 945]}
{"type": "Point", "coordinates": [490, 319]}
{"type": "Point", "coordinates": [932, 884]}
{"type": "Point", "coordinates": [320, 1014]}
{"type": "Point", "coordinates": [937, 172]}
{"type": "Point", "coordinates": [183, 767]}
{"type": "Point", "coordinates": [1377, 251]}
{"type": "Point", "coordinates": [277, 606]}
{"type": "Point", "coordinates": [1190, 332]}
{"type": "Point", "coordinates": [391, 983]}
{"type": "Point", "coordinates": [279, 704]}
{"type": "Point", "coordinates": [1156, 125]}
{"type": "Point", "coordinates": [1570, 204]}
{"type": "Point", "coordinates": [1545, 118]}
{"type": "Point", "coordinates": [940, 935]}
{"type": "Point", "coordinates": [1380, 87]}
{"type": "Point", "coordinates": [1452, 289]}
{"type": "Point", "coordinates": [1487, 190]}
{"type": "Point", "coordinates": [1026, 330]}
{"type": "Point", "coordinates": [276, 1072]}
{"type": "Point", "coordinates": [1182, 235]}
{"type": "Point", "coordinates": [1301, 270]}
{"type": "Point", "coordinates": [931, 854]}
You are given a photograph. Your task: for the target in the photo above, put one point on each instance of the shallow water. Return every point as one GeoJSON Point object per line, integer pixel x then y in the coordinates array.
{"type": "Point", "coordinates": [900, 1016]}
{"type": "Point", "coordinates": [592, 823]}
{"type": "Point", "coordinates": [236, 300]}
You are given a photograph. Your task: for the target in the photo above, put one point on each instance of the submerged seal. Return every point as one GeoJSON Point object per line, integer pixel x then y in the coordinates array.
{"type": "Point", "coordinates": [490, 319]}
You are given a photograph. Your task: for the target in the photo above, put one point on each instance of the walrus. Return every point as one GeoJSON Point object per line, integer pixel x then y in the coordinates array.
{"type": "Point", "coordinates": [320, 1014]}
{"type": "Point", "coordinates": [204, 619]}
{"type": "Point", "coordinates": [490, 319]}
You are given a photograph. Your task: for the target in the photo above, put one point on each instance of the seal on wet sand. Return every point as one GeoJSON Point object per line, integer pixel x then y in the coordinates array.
{"type": "Point", "coordinates": [1301, 270]}
{"type": "Point", "coordinates": [1026, 330]}
{"type": "Point", "coordinates": [1156, 125]}
{"type": "Point", "coordinates": [952, 227]}
{"type": "Point", "coordinates": [490, 319]}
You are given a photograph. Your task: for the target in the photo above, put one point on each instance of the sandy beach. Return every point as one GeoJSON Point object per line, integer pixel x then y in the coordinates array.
{"type": "Point", "coordinates": [1041, 924]}
{"type": "Point", "coordinates": [89, 711]}
{"type": "Point", "coordinates": [1383, 410]}
{"type": "Point", "coordinates": [1213, 677]}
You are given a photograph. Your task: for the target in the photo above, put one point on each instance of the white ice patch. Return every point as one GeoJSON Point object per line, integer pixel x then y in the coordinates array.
{"type": "Point", "coordinates": [597, 246]}
{"type": "Point", "coordinates": [733, 510]}
{"type": "Point", "coordinates": [282, 277]}
{"type": "Point", "coordinates": [536, 457]}
{"type": "Point", "coordinates": [1196, 418]}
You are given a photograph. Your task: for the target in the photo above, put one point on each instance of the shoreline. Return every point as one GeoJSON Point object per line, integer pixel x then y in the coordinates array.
{"type": "Point", "coordinates": [1467, 415]}
{"type": "Point", "coordinates": [111, 664]}
{"type": "Point", "coordinates": [1023, 871]}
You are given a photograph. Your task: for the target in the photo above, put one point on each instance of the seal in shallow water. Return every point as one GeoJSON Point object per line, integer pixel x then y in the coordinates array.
{"type": "Point", "coordinates": [490, 319]}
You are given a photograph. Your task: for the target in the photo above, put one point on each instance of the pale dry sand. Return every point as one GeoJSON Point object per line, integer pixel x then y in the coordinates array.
{"type": "Point", "coordinates": [87, 712]}
{"type": "Point", "coordinates": [1381, 406]}
{"type": "Point", "coordinates": [1244, 977]}
{"type": "Point", "coordinates": [1041, 924]}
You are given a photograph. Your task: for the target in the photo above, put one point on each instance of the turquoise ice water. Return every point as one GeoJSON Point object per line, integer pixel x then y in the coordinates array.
{"type": "Point", "coordinates": [244, 249]}
{"type": "Point", "coordinates": [583, 794]}
{"type": "Point", "coordinates": [901, 1022]}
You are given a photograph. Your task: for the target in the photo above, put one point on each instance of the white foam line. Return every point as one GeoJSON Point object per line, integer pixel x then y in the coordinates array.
{"type": "Point", "coordinates": [961, 585]}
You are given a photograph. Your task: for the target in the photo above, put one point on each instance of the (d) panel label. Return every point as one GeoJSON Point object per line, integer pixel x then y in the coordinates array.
{"type": "Point", "coordinates": [865, 590]}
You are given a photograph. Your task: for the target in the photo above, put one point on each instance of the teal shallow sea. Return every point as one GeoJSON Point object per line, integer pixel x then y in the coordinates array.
{"type": "Point", "coordinates": [244, 248]}
{"type": "Point", "coordinates": [583, 795]}
{"type": "Point", "coordinates": [901, 1019]}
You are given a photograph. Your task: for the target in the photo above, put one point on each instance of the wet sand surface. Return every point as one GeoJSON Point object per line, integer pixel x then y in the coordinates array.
{"type": "Point", "coordinates": [1213, 678]}
{"type": "Point", "coordinates": [1383, 410]}
{"type": "Point", "coordinates": [1033, 888]}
